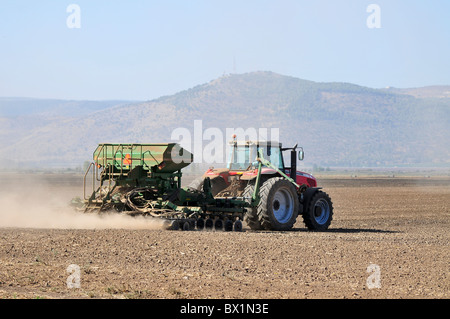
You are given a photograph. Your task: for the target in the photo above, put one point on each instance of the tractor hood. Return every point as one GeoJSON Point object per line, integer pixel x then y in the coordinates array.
{"type": "Point", "coordinates": [251, 174]}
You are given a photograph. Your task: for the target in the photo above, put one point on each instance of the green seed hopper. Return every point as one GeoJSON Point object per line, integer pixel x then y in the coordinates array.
{"type": "Point", "coordinates": [161, 158]}
{"type": "Point", "coordinates": [120, 167]}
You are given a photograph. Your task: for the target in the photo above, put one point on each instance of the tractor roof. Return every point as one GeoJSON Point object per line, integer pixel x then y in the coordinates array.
{"type": "Point", "coordinates": [261, 143]}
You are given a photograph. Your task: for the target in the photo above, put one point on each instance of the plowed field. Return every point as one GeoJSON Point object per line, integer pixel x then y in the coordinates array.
{"type": "Point", "coordinates": [389, 238]}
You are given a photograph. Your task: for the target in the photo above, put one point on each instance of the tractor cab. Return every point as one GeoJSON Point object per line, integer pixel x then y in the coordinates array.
{"type": "Point", "coordinates": [243, 162]}
{"type": "Point", "coordinates": [243, 159]}
{"type": "Point", "coordinates": [243, 155]}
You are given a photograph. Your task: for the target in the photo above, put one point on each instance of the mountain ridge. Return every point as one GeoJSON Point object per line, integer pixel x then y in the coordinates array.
{"type": "Point", "coordinates": [338, 124]}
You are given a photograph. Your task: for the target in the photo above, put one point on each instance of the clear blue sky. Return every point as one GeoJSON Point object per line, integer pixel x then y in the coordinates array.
{"type": "Point", "coordinates": [141, 50]}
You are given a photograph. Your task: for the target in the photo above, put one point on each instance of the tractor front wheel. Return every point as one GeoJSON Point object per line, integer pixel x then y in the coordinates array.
{"type": "Point", "coordinates": [319, 212]}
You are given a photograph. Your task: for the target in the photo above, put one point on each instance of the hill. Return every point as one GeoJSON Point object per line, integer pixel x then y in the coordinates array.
{"type": "Point", "coordinates": [338, 124]}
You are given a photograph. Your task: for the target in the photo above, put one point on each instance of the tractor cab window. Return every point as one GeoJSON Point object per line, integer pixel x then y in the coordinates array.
{"type": "Point", "coordinates": [243, 156]}
{"type": "Point", "coordinates": [274, 156]}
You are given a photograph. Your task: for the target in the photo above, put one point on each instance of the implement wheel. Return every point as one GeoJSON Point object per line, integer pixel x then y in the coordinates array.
{"type": "Point", "coordinates": [200, 223]}
{"type": "Point", "coordinates": [228, 225]}
{"type": "Point", "coordinates": [186, 226]}
{"type": "Point", "coordinates": [237, 225]}
{"type": "Point", "coordinates": [209, 224]}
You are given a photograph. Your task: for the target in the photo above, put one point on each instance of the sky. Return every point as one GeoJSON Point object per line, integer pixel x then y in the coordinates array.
{"type": "Point", "coordinates": [141, 50]}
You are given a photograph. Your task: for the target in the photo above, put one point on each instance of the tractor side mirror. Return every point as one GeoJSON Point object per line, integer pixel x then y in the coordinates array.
{"type": "Point", "coordinates": [301, 154]}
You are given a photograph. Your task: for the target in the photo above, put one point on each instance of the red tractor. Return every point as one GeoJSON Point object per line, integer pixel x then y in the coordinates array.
{"type": "Point", "coordinates": [284, 192]}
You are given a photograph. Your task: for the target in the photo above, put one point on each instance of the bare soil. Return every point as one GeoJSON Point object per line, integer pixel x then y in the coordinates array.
{"type": "Point", "coordinates": [389, 238]}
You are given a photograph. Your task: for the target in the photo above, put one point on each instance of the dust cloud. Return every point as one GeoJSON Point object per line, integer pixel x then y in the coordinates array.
{"type": "Point", "coordinates": [37, 204]}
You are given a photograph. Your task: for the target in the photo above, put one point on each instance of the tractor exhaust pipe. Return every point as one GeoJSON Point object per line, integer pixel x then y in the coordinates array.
{"type": "Point", "coordinates": [293, 173]}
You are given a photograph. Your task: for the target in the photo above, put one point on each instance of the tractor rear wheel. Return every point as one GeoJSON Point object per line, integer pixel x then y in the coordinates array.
{"type": "Point", "coordinates": [251, 215]}
{"type": "Point", "coordinates": [278, 207]}
{"type": "Point", "coordinates": [319, 212]}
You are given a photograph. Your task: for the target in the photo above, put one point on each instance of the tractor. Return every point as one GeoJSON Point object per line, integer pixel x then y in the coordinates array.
{"type": "Point", "coordinates": [257, 187]}
{"type": "Point", "coordinates": [284, 192]}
